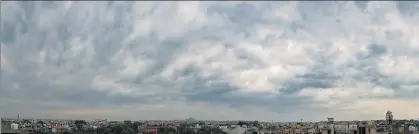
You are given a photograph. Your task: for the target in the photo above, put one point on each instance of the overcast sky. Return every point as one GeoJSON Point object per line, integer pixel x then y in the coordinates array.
{"type": "Point", "coordinates": [281, 61]}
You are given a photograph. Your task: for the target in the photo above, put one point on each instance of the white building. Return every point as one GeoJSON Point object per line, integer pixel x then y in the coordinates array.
{"type": "Point", "coordinates": [332, 127]}
{"type": "Point", "coordinates": [223, 127]}
{"type": "Point", "coordinates": [197, 126]}
{"type": "Point", "coordinates": [412, 128]}
{"type": "Point", "coordinates": [14, 126]}
{"type": "Point", "coordinates": [238, 130]}
{"type": "Point", "coordinates": [311, 130]}
{"type": "Point", "coordinates": [341, 128]}
{"type": "Point", "coordinates": [353, 127]}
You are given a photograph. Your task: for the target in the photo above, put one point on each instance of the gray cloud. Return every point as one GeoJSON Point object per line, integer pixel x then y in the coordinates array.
{"type": "Point", "coordinates": [173, 60]}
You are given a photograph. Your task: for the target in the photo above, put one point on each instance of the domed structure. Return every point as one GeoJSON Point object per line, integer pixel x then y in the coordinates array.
{"type": "Point", "coordinates": [389, 117]}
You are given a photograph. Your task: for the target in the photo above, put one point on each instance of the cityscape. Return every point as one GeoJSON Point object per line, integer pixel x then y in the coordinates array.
{"type": "Point", "coordinates": [209, 67]}
{"type": "Point", "coordinates": [191, 126]}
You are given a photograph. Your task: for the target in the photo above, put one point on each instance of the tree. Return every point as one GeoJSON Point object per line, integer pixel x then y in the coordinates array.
{"type": "Point", "coordinates": [40, 122]}
{"type": "Point", "coordinates": [73, 130]}
{"type": "Point", "coordinates": [241, 123]}
{"type": "Point", "coordinates": [42, 132]}
{"type": "Point", "coordinates": [255, 123]}
{"type": "Point", "coordinates": [104, 130]}
{"type": "Point", "coordinates": [26, 121]}
{"type": "Point", "coordinates": [120, 128]}
{"type": "Point", "coordinates": [135, 126]}
{"type": "Point", "coordinates": [165, 130]}
{"type": "Point", "coordinates": [128, 131]}
{"type": "Point", "coordinates": [79, 124]}
{"type": "Point", "coordinates": [79, 132]}
{"type": "Point", "coordinates": [127, 122]}
{"type": "Point", "coordinates": [201, 123]}
{"type": "Point", "coordinates": [210, 130]}
{"type": "Point", "coordinates": [273, 127]}
{"type": "Point", "coordinates": [117, 129]}
{"type": "Point", "coordinates": [185, 129]}
{"type": "Point", "coordinates": [65, 132]}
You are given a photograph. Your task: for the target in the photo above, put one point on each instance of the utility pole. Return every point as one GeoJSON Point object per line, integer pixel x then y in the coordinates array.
{"type": "Point", "coordinates": [272, 125]}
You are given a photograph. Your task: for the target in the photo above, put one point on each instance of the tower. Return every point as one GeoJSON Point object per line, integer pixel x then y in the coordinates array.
{"type": "Point", "coordinates": [389, 119]}
{"type": "Point", "coordinates": [330, 123]}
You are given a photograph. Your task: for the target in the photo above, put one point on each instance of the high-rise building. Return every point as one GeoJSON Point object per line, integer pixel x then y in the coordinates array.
{"type": "Point", "coordinates": [330, 123]}
{"type": "Point", "coordinates": [389, 117]}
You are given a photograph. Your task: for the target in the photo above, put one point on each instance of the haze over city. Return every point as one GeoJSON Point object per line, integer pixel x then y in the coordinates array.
{"type": "Point", "coordinates": [281, 61]}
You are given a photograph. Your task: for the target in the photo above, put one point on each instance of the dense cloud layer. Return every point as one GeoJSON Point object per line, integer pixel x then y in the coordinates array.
{"type": "Point", "coordinates": [210, 60]}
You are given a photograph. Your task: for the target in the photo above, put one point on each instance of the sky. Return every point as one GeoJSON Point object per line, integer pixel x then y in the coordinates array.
{"type": "Point", "coordinates": [281, 61]}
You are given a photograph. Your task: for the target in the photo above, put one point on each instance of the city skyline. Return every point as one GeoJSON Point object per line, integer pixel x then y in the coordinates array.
{"type": "Point", "coordinates": [236, 60]}
{"type": "Point", "coordinates": [198, 120]}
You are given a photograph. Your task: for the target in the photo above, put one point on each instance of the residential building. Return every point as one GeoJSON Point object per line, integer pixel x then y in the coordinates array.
{"type": "Point", "coordinates": [152, 129]}
{"type": "Point", "coordinates": [325, 131]}
{"type": "Point", "coordinates": [311, 130]}
{"type": "Point", "coordinates": [222, 126]}
{"type": "Point", "coordinates": [412, 128]}
{"type": "Point", "coordinates": [238, 130]}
